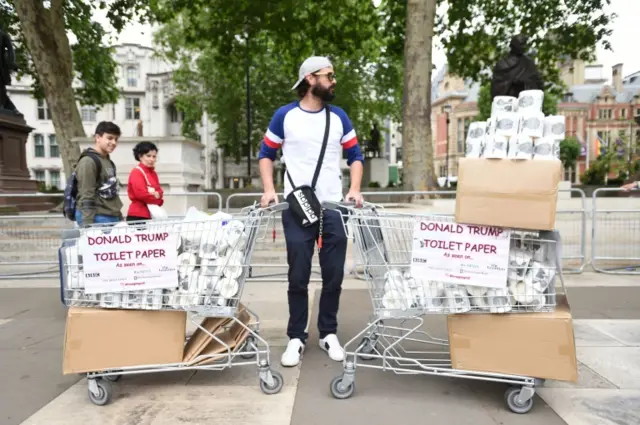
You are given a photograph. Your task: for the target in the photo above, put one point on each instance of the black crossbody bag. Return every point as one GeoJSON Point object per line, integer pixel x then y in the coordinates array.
{"type": "Point", "coordinates": [303, 202]}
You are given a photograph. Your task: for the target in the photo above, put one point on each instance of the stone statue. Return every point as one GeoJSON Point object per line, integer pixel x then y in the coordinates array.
{"type": "Point", "coordinates": [139, 128]}
{"type": "Point", "coordinates": [374, 142]}
{"type": "Point", "coordinates": [515, 72]}
{"type": "Point", "coordinates": [7, 65]}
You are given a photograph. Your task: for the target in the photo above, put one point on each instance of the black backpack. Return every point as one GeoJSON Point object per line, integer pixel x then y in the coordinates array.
{"type": "Point", "coordinates": [71, 189]}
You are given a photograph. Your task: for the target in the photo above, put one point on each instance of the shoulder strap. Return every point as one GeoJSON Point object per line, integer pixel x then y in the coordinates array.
{"type": "Point", "coordinates": [96, 160]}
{"type": "Point", "coordinates": [144, 174]}
{"type": "Point", "coordinates": [322, 151]}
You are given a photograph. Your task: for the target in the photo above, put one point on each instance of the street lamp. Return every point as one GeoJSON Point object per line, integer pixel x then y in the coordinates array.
{"type": "Point", "coordinates": [447, 110]}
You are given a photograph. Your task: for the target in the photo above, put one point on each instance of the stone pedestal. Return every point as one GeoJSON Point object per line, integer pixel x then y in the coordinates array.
{"type": "Point", "coordinates": [375, 170]}
{"type": "Point", "coordinates": [180, 168]}
{"type": "Point", "coordinates": [14, 174]}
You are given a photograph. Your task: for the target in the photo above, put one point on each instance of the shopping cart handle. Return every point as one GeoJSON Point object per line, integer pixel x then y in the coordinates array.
{"type": "Point", "coordinates": [273, 207]}
{"type": "Point", "coordinates": [331, 205]}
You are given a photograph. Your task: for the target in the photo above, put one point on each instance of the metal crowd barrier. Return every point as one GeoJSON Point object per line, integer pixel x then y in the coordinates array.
{"type": "Point", "coordinates": [29, 242]}
{"type": "Point", "coordinates": [615, 235]}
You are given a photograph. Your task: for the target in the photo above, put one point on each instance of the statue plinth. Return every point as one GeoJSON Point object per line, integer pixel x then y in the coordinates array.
{"type": "Point", "coordinates": [14, 174]}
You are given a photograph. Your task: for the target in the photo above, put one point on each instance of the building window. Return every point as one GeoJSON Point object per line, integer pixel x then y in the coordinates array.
{"type": "Point", "coordinates": [88, 113]}
{"type": "Point", "coordinates": [176, 116]}
{"type": "Point", "coordinates": [39, 176]}
{"type": "Point", "coordinates": [623, 113]}
{"type": "Point", "coordinates": [460, 132]}
{"type": "Point", "coordinates": [43, 110]}
{"type": "Point", "coordinates": [132, 108]}
{"type": "Point", "coordinates": [54, 150]}
{"type": "Point", "coordinates": [604, 114]}
{"type": "Point", "coordinates": [132, 76]}
{"type": "Point", "coordinates": [569, 174]}
{"type": "Point", "coordinates": [55, 179]}
{"type": "Point", "coordinates": [443, 171]}
{"type": "Point", "coordinates": [38, 142]}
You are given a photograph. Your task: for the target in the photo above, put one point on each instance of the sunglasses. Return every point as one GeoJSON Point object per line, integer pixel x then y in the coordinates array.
{"type": "Point", "coordinates": [331, 76]}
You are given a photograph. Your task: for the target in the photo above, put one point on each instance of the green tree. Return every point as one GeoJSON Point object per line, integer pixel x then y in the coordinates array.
{"type": "Point", "coordinates": [211, 42]}
{"type": "Point", "coordinates": [476, 34]}
{"type": "Point", "coordinates": [40, 31]}
{"type": "Point", "coordinates": [569, 152]}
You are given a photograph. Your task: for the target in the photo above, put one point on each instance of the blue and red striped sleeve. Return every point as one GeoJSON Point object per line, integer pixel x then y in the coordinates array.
{"type": "Point", "coordinates": [349, 139]}
{"type": "Point", "coordinates": [274, 136]}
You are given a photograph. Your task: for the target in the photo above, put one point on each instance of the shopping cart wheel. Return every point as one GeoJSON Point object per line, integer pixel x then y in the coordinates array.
{"type": "Point", "coordinates": [250, 347]}
{"type": "Point", "coordinates": [511, 395]}
{"type": "Point", "coordinates": [339, 390]}
{"type": "Point", "coordinates": [112, 378]}
{"type": "Point", "coordinates": [278, 382]}
{"type": "Point", "coordinates": [102, 390]}
{"type": "Point", "coordinates": [368, 347]}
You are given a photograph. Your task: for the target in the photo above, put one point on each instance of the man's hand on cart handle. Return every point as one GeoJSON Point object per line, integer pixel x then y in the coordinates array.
{"type": "Point", "coordinates": [268, 197]}
{"type": "Point", "coordinates": [355, 197]}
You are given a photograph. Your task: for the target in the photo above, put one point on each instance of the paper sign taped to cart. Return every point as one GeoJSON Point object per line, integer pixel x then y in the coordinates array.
{"type": "Point", "coordinates": [129, 261]}
{"type": "Point", "coordinates": [460, 253]}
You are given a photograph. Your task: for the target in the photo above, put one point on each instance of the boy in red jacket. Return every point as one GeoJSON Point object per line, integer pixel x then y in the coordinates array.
{"type": "Point", "coordinates": [144, 186]}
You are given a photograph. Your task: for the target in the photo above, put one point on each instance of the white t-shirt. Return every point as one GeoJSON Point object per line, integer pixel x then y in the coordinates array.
{"type": "Point", "coordinates": [299, 133]}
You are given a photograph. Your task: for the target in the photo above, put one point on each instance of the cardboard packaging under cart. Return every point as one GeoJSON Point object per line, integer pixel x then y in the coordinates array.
{"type": "Point", "coordinates": [131, 289]}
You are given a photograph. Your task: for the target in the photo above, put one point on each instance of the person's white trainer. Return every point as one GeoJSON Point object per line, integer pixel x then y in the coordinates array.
{"type": "Point", "coordinates": [292, 355]}
{"type": "Point", "coordinates": [332, 346]}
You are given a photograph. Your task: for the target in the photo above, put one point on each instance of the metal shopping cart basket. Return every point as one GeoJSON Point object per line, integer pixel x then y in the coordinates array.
{"type": "Point", "coordinates": [395, 339]}
{"type": "Point", "coordinates": [213, 259]}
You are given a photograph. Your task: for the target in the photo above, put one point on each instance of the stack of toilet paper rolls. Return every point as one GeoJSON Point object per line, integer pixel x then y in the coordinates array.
{"type": "Point", "coordinates": [530, 285]}
{"type": "Point", "coordinates": [211, 263]}
{"type": "Point", "coordinates": [517, 129]}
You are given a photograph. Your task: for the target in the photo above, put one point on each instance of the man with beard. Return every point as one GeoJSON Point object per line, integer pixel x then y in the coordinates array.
{"type": "Point", "coordinates": [300, 129]}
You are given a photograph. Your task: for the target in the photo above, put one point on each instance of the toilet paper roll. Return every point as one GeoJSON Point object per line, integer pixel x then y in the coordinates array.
{"type": "Point", "coordinates": [530, 101]}
{"type": "Point", "coordinates": [499, 301]}
{"type": "Point", "coordinates": [474, 149]}
{"type": "Point", "coordinates": [207, 285]}
{"type": "Point", "coordinates": [209, 244]}
{"type": "Point", "coordinates": [546, 149]}
{"type": "Point", "coordinates": [538, 302]}
{"type": "Point", "coordinates": [554, 127]}
{"type": "Point", "coordinates": [209, 267]}
{"type": "Point", "coordinates": [152, 299]}
{"type": "Point", "coordinates": [435, 297]}
{"type": "Point", "coordinates": [519, 259]}
{"type": "Point", "coordinates": [502, 104]}
{"type": "Point", "coordinates": [520, 147]}
{"type": "Point", "coordinates": [89, 300]}
{"type": "Point", "coordinates": [111, 300]}
{"type": "Point", "coordinates": [542, 275]}
{"type": "Point", "coordinates": [457, 300]}
{"type": "Point", "coordinates": [393, 280]}
{"type": "Point", "coordinates": [227, 287]}
{"type": "Point", "coordinates": [394, 300]}
{"type": "Point", "coordinates": [496, 148]}
{"type": "Point", "coordinates": [524, 291]}
{"type": "Point", "coordinates": [490, 129]}
{"type": "Point", "coordinates": [478, 297]}
{"type": "Point", "coordinates": [507, 124]}
{"type": "Point", "coordinates": [532, 124]}
{"type": "Point", "coordinates": [187, 262]}
{"type": "Point", "coordinates": [477, 130]}
{"type": "Point", "coordinates": [231, 265]}
{"type": "Point", "coordinates": [133, 300]}
{"type": "Point", "coordinates": [234, 235]}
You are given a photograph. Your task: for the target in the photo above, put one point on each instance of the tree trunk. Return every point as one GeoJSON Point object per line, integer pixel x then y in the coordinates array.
{"type": "Point", "coordinates": [45, 34]}
{"type": "Point", "coordinates": [417, 156]}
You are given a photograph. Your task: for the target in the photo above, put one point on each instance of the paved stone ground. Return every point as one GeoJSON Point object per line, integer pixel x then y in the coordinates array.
{"type": "Point", "coordinates": [34, 392]}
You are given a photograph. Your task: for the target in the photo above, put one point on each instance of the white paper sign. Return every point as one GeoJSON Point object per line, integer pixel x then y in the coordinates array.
{"type": "Point", "coordinates": [460, 253]}
{"type": "Point", "coordinates": [129, 262]}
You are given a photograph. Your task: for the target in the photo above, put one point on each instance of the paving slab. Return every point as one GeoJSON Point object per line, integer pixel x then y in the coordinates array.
{"type": "Point", "coordinates": [619, 365]}
{"type": "Point", "coordinates": [383, 396]}
{"type": "Point", "coordinates": [594, 406]}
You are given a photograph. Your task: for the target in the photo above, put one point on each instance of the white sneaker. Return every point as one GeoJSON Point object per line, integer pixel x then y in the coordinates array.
{"type": "Point", "coordinates": [332, 346]}
{"type": "Point", "coordinates": [292, 355]}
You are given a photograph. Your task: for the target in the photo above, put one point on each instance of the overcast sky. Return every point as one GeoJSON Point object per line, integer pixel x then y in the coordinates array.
{"type": "Point", "coordinates": [622, 39]}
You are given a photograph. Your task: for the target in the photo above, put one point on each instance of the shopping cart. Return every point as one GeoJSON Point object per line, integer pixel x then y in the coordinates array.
{"type": "Point", "coordinates": [384, 245]}
{"type": "Point", "coordinates": [214, 255]}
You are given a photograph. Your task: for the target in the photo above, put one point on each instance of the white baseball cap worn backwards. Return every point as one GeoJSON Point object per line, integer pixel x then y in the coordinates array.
{"type": "Point", "coordinates": [311, 65]}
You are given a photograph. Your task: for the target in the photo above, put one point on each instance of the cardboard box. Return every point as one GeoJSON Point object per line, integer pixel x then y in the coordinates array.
{"type": "Point", "coordinates": [539, 345]}
{"type": "Point", "coordinates": [520, 194]}
{"type": "Point", "coordinates": [99, 339]}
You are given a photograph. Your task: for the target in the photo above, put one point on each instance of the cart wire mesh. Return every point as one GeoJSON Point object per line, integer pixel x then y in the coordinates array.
{"type": "Point", "coordinates": [384, 243]}
{"type": "Point", "coordinates": [213, 259]}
